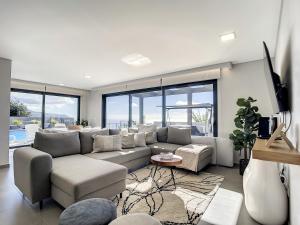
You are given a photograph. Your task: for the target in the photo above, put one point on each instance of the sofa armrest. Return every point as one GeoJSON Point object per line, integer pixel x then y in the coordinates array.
{"type": "Point", "coordinates": [210, 141]}
{"type": "Point", "coordinates": [32, 170]}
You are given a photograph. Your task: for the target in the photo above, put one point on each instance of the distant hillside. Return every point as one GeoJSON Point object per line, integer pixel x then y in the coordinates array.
{"type": "Point", "coordinates": [47, 115]}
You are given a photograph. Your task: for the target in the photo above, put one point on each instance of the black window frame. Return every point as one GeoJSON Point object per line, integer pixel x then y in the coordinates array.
{"type": "Point", "coordinates": [163, 89]}
{"type": "Point", "coordinates": [44, 94]}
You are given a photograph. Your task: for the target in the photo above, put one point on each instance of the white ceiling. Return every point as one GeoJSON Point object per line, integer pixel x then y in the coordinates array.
{"type": "Point", "coordinates": [61, 41]}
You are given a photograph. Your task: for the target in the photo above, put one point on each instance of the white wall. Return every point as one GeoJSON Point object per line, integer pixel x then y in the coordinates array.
{"type": "Point", "coordinates": [19, 84]}
{"type": "Point", "coordinates": [5, 75]}
{"type": "Point", "coordinates": [287, 60]}
{"type": "Point", "coordinates": [243, 80]}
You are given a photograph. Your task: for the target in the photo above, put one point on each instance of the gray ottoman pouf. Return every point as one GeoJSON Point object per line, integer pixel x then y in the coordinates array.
{"type": "Point", "coordinates": [135, 219]}
{"type": "Point", "coordinates": [94, 211]}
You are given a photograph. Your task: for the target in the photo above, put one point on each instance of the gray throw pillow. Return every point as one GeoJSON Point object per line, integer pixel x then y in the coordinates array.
{"type": "Point", "coordinates": [114, 131]}
{"type": "Point", "coordinates": [57, 144]}
{"type": "Point", "coordinates": [150, 138]}
{"type": "Point", "coordinates": [87, 140]}
{"type": "Point", "coordinates": [128, 141]}
{"type": "Point", "coordinates": [162, 134]}
{"type": "Point", "coordinates": [107, 143]}
{"type": "Point", "coordinates": [179, 136]}
{"type": "Point", "coordinates": [140, 140]}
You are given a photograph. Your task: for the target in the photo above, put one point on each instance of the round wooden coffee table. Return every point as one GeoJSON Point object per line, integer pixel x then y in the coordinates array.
{"type": "Point", "coordinates": [171, 163]}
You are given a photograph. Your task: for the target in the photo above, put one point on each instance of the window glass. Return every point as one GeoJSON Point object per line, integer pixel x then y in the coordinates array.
{"type": "Point", "coordinates": [202, 116]}
{"type": "Point", "coordinates": [60, 111]}
{"type": "Point", "coordinates": [176, 112]}
{"type": "Point", "coordinates": [189, 105]}
{"type": "Point", "coordinates": [152, 112]}
{"type": "Point", "coordinates": [117, 111]}
{"type": "Point", "coordinates": [135, 110]}
{"type": "Point", "coordinates": [147, 108]}
{"type": "Point", "coordinates": [25, 117]}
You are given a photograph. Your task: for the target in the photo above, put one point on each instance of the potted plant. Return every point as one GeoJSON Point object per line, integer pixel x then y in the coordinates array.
{"type": "Point", "coordinates": [84, 123]}
{"type": "Point", "coordinates": [246, 122]}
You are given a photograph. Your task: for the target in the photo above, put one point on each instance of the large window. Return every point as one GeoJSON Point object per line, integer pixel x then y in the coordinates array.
{"type": "Point", "coordinates": [117, 108]}
{"type": "Point", "coordinates": [60, 111]}
{"type": "Point", "coordinates": [192, 104]}
{"type": "Point", "coordinates": [25, 117]}
{"type": "Point", "coordinates": [31, 110]}
{"type": "Point", "coordinates": [149, 107]}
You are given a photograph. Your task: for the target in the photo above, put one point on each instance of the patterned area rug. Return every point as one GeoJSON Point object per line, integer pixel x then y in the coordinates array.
{"type": "Point", "coordinates": [158, 197]}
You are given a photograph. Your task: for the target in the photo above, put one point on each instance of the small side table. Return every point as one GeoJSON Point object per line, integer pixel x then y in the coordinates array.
{"type": "Point", "coordinates": [158, 161]}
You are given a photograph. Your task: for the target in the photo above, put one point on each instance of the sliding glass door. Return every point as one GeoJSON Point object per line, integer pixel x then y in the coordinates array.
{"type": "Point", "coordinates": [146, 107]}
{"type": "Point", "coordinates": [192, 104]}
{"type": "Point", "coordinates": [25, 117]}
{"type": "Point", "coordinates": [60, 111]}
{"type": "Point", "coordinates": [117, 111]}
{"type": "Point", "coordinates": [31, 110]}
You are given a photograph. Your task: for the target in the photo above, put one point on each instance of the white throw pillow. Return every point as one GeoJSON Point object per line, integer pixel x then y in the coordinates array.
{"type": "Point", "coordinates": [124, 132]}
{"type": "Point", "coordinates": [140, 140]}
{"type": "Point", "coordinates": [107, 143]}
{"type": "Point", "coordinates": [128, 141]}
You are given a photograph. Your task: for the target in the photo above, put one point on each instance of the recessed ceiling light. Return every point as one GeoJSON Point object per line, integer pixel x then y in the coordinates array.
{"type": "Point", "coordinates": [228, 37]}
{"type": "Point", "coordinates": [87, 76]}
{"type": "Point", "coordinates": [61, 84]}
{"type": "Point", "coordinates": [136, 59]}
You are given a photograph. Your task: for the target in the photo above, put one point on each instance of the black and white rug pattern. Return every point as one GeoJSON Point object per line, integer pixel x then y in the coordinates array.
{"type": "Point", "coordinates": [158, 197]}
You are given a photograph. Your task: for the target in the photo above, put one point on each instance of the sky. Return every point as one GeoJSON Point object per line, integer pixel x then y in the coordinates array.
{"type": "Point", "coordinates": [53, 104]}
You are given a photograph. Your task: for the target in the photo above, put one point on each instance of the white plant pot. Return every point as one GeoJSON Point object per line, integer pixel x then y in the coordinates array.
{"type": "Point", "coordinates": [265, 195]}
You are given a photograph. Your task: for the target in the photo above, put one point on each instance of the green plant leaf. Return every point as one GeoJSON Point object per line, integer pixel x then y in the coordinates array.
{"type": "Point", "coordinates": [241, 102]}
{"type": "Point", "coordinates": [237, 132]}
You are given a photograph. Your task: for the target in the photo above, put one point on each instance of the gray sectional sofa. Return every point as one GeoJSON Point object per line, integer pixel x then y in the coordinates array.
{"type": "Point", "coordinates": [62, 165]}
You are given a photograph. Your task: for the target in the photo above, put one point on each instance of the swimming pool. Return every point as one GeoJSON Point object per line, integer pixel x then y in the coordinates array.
{"type": "Point", "coordinates": [17, 135]}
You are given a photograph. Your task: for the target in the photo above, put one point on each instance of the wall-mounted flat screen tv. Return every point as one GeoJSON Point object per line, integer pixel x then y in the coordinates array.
{"type": "Point", "coordinates": [278, 92]}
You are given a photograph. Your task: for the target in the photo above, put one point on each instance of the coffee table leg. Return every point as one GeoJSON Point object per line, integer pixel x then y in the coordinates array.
{"type": "Point", "coordinates": [172, 174]}
{"type": "Point", "coordinates": [154, 171]}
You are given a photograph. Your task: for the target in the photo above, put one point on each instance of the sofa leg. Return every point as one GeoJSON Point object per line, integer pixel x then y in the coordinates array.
{"type": "Point", "coordinates": [41, 204]}
{"type": "Point", "coordinates": [121, 195]}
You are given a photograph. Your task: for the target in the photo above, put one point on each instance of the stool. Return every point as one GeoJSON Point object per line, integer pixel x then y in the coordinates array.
{"type": "Point", "coordinates": [94, 211]}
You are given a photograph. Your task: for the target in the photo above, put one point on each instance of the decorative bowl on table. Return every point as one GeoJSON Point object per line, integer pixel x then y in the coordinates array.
{"type": "Point", "coordinates": [166, 156]}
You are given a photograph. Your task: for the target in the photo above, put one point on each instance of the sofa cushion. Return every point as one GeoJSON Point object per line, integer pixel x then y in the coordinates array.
{"type": "Point", "coordinates": [194, 156]}
{"type": "Point", "coordinates": [162, 134]}
{"type": "Point", "coordinates": [57, 144]}
{"type": "Point", "coordinates": [114, 131]}
{"type": "Point", "coordinates": [86, 139]}
{"type": "Point", "coordinates": [128, 141]}
{"type": "Point", "coordinates": [107, 143]}
{"type": "Point", "coordinates": [151, 137]}
{"type": "Point", "coordinates": [78, 175]}
{"type": "Point", "coordinates": [133, 130]}
{"type": "Point", "coordinates": [140, 140]}
{"type": "Point", "coordinates": [180, 136]}
{"type": "Point", "coordinates": [161, 147]}
{"type": "Point", "coordinates": [123, 156]}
